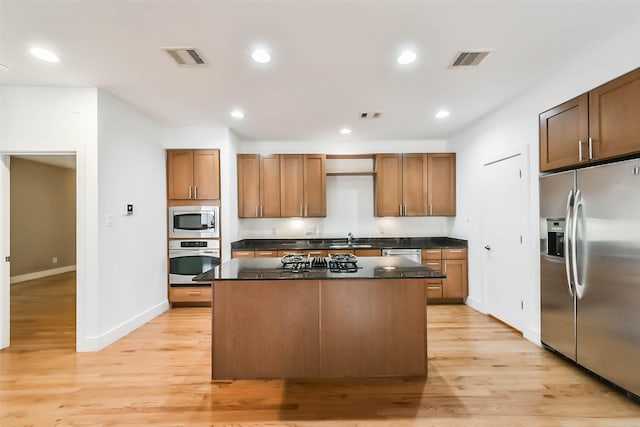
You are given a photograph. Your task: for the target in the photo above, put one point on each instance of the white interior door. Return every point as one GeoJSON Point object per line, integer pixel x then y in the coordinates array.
{"type": "Point", "coordinates": [502, 232]}
{"type": "Point", "coordinates": [4, 252]}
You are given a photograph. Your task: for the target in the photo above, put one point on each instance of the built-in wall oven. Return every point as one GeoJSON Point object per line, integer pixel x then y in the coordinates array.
{"type": "Point", "coordinates": [188, 258]}
{"type": "Point", "coordinates": [197, 222]}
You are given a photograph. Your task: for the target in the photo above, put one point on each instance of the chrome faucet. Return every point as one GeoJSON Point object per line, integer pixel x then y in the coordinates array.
{"type": "Point", "coordinates": [349, 237]}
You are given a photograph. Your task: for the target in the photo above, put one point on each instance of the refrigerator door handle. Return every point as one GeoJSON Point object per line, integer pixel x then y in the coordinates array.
{"type": "Point", "coordinates": [574, 244]}
{"type": "Point", "coordinates": [567, 232]}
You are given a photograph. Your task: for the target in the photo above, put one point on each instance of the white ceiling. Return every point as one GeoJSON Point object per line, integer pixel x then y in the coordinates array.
{"type": "Point", "coordinates": [332, 59]}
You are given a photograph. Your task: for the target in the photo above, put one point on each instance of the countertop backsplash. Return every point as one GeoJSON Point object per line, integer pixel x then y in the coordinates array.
{"type": "Point", "coordinates": [312, 228]}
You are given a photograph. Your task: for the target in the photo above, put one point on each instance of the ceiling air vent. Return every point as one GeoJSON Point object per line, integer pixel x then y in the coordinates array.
{"type": "Point", "coordinates": [469, 58]}
{"type": "Point", "coordinates": [185, 56]}
{"type": "Point", "coordinates": [375, 115]}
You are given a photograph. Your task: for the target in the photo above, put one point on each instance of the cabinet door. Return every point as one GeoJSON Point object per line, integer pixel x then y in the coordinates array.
{"type": "Point", "coordinates": [315, 188]}
{"type": "Point", "coordinates": [291, 188]}
{"type": "Point", "coordinates": [564, 134]}
{"type": "Point", "coordinates": [455, 285]}
{"type": "Point", "coordinates": [206, 174]}
{"type": "Point", "coordinates": [270, 186]}
{"type": "Point", "coordinates": [614, 112]}
{"type": "Point", "coordinates": [442, 184]}
{"type": "Point", "coordinates": [388, 191]}
{"type": "Point", "coordinates": [180, 174]}
{"type": "Point", "coordinates": [414, 184]}
{"type": "Point", "coordinates": [248, 185]}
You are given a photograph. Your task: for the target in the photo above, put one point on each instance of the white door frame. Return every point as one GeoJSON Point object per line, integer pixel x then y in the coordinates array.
{"type": "Point", "coordinates": [5, 294]}
{"type": "Point", "coordinates": [5, 249]}
{"type": "Point", "coordinates": [523, 153]}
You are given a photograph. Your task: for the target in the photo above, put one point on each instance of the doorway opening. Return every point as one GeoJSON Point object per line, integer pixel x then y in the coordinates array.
{"type": "Point", "coordinates": [42, 224]}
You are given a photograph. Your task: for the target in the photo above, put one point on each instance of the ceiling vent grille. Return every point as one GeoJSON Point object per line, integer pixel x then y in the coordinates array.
{"type": "Point", "coordinates": [469, 58]}
{"type": "Point", "coordinates": [375, 115]}
{"type": "Point", "coordinates": [185, 56]}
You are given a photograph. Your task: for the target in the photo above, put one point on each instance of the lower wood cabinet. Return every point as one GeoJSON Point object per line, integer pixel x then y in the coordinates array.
{"type": "Point", "coordinates": [243, 254]}
{"type": "Point", "coordinates": [195, 294]}
{"type": "Point", "coordinates": [433, 289]}
{"type": "Point", "coordinates": [453, 263]}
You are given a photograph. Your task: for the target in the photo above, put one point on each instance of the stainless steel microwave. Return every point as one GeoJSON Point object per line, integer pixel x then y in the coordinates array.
{"type": "Point", "coordinates": [200, 222]}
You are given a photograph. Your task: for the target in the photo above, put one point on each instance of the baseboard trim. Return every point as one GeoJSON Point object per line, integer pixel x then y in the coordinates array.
{"type": "Point", "coordinates": [97, 343]}
{"type": "Point", "coordinates": [41, 274]}
{"type": "Point", "coordinates": [476, 304]}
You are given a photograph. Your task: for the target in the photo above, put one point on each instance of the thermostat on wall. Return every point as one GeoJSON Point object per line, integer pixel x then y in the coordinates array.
{"type": "Point", "coordinates": [127, 209]}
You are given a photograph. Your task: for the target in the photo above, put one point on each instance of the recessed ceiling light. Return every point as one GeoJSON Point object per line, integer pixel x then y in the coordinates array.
{"type": "Point", "coordinates": [238, 114]}
{"type": "Point", "coordinates": [442, 114]}
{"type": "Point", "coordinates": [407, 57]}
{"type": "Point", "coordinates": [44, 54]}
{"type": "Point", "coordinates": [345, 131]}
{"type": "Point", "coordinates": [261, 56]}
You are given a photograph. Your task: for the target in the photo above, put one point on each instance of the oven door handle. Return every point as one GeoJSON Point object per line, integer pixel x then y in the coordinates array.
{"type": "Point", "coordinates": [176, 253]}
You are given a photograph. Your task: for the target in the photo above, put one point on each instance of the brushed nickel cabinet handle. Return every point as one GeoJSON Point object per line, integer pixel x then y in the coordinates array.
{"type": "Point", "coordinates": [195, 191]}
{"type": "Point", "coordinates": [445, 266]}
{"type": "Point", "coordinates": [194, 293]}
{"type": "Point", "coordinates": [400, 210]}
{"type": "Point", "coordinates": [432, 288]}
{"type": "Point", "coordinates": [189, 191]}
{"type": "Point", "coordinates": [580, 150]}
{"type": "Point", "coordinates": [590, 148]}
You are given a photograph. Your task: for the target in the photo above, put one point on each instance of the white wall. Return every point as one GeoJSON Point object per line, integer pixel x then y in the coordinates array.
{"type": "Point", "coordinates": [132, 264]}
{"type": "Point", "coordinates": [60, 120]}
{"type": "Point", "coordinates": [349, 198]}
{"type": "Point", "coordinates": [513, 128]}
{"type": "Point", "coordinates": [226, 142]}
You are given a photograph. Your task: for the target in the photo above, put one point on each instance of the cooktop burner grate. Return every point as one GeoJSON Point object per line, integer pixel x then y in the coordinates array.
{"type": "Point", "coordinates": [335, 263]}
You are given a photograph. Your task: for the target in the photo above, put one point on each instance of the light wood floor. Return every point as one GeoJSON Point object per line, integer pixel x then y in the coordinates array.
{"type": "Point", "coordinates": [481, 373]}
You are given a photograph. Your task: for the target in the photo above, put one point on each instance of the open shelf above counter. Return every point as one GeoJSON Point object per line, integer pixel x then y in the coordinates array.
{"type": "Point", "coordinates": [350, 165]}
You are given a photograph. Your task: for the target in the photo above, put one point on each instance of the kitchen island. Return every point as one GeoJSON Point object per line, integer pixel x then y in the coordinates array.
{"type": "Point", "coordinates": [270, 323]}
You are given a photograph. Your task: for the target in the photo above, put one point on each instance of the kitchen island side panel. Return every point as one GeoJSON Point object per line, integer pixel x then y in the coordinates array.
{"type": "Point", "coordinates": [265, 329]}
{"type": "Point", "coordinates": [313, 328]}
{"type": "Point", "coordinates": [373, 328]}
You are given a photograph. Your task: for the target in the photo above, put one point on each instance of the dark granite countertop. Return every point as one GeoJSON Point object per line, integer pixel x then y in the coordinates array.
{"type": "Point", "coordinates": [393, 267]}
{"type": "Point", "coordinates": [357, 243]}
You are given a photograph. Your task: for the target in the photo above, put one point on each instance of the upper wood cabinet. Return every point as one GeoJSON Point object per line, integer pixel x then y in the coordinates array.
{"type": "Point", "coordinates": [258, 186]}
{"type": "Point", "coordinates": [388, 185]}
{"type": "Point", "coordinates": [441, 193]}
{"type": "Point", "coordinates": [291, 185]}
{"type": "Point", "coordinates": [614, 117]}
{"type": "Point", "coordinates": [598, 125]}
{"type": "Point", "coordinates": [284, 185]}
{"type": "Point", "coordinates": [193, 174]}
{"type": "Point", "coordinates": [315, 185]}
{"type": "Point", "coordinates": [303, 185]}
{"type": "Point", "coordinates": [415, 184]}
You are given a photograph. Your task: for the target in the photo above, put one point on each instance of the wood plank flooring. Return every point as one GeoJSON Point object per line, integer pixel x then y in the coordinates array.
{"type": "Point", "coordinates": [481, 373]}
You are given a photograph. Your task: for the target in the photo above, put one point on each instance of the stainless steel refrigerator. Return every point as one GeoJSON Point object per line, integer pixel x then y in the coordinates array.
{"type": "Point", "coordinates": [590, 269]}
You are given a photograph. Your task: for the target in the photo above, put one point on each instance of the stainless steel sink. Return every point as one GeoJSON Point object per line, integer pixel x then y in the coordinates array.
{"type": "Point", "coordinates": [356, 245]}
{"type": "Point", "coordinates": [339, 246]}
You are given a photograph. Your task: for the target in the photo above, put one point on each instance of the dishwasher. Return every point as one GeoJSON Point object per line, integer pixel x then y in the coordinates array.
{"type": "Point", "coordinates": [414, 255]}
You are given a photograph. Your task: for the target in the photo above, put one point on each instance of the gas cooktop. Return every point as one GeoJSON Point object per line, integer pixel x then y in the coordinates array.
{"type": "Point", "coordinates": [335, 263]}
